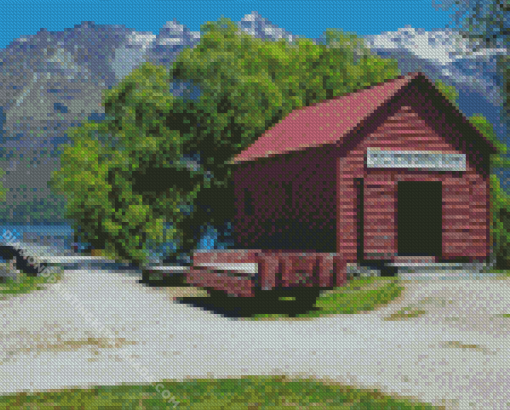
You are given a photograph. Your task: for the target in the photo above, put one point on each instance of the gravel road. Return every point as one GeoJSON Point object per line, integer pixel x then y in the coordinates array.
{"type": "Point", "coordinates": [105, 328]}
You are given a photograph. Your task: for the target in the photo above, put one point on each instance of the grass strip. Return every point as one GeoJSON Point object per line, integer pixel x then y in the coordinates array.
{"type": "Point", "coordinates": [25, 284]}
{"type": "Point", "coordinates": [249, 392]}
{"type": "Point", "coordinates": [359, 295]}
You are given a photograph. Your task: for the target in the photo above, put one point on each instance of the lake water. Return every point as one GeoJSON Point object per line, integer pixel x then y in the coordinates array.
{"type": "Point", "coordinates": [62, 237]}
{"type": "Point", "coordinates": [48, 235]}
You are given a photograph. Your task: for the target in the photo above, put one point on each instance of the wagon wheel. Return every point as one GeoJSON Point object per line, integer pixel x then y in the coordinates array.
{"type": "Point", "coordinates": [307, 296]}
{"type": "Point", "coordinates": [216, 294]}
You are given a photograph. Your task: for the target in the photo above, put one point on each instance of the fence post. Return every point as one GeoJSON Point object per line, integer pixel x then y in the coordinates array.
{"type": "Point", "coordinates": [262, 271]}
{"type": "Point", "coordinates": [322, 280]}
{"type": "Point", "coordinates": [340, 270]}
{"type": "Point", "coordinates": [285, 266]}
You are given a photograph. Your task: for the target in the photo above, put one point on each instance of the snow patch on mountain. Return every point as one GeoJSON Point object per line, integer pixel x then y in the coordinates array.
{"type": "Point", "coordinates": [131, 54]}
{"type": "Point", "coordinates": [259, 27]}
{"type": "Point", "coordinates": [449, 56]}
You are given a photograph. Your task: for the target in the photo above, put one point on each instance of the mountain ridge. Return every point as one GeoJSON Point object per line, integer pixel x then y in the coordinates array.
{"type": "Point", "coordinates": [52, 80]}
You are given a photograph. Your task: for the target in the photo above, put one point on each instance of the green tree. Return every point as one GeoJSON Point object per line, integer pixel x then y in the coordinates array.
{"type": "Point", "coordinates": [123, 178]}
{"type": "Point", "coordinates": [486, 24]}
{"type": "Point", "coordinates": [449, 92]}
{"type": "Point", "coordinates": [500, 200]}
{"type": "Point", "coordinates": [500, 229]}
{"type": "Point", "coordinates": [128, 175]}
{"type": "Point", "coordinates": [483, 22]}
{"type": "Point", "coordinates": [248, 85]}
{"type": "Point", "coordinates": [352, 47]}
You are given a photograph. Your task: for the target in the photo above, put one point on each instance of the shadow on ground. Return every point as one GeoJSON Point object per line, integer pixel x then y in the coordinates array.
{"type": "Point", "coordinates": [268, 303]}
{"type": "Point", "coordinates": [235, 307]}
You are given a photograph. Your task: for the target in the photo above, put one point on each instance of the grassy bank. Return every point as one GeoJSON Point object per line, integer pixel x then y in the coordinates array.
{"type": "Point", "coordinates": [25, 284]}
{"type": "Point", "coordinates": [254, 392]}
{"type": "Point", "coordinates": [359, 295]}
{"type": "Point", "coordinates": [504, 273]}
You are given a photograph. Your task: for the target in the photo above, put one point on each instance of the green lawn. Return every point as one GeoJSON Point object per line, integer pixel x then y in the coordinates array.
{"type": "Point", "coordinates": [254, 392]}
{"type": "Point", "coordinates": [359, 295]}
{"type": "Point", "coordinates": [504, 272]}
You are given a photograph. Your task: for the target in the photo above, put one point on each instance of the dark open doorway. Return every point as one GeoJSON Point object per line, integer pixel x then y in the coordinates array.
{"type": "Point", "coordinates": [419, 218]}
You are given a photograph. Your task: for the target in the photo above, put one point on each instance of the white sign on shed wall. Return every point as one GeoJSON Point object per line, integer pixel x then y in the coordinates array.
{"type": "Point", "coordinates": [430, 160]}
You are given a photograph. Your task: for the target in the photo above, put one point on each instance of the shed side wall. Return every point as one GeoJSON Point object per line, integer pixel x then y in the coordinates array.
{"type": "Point", "coordinates": [311, 213]}
{"type": "Point", "coordinates": [466, 225]}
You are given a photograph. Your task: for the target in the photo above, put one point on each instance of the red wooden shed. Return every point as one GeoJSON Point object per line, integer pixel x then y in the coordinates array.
{"type": "Point", "coordinates": [388, 172]}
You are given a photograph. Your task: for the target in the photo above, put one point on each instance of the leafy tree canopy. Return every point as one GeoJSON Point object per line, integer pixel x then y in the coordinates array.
{"type": "Point", "coordinates": [124, 177]}
{"type": "Point", "coordinates": [107, 174]}
{"type": "Point", "coordinates": [248, 85]}
{"type": "Point", "coordinates": [449, 92]}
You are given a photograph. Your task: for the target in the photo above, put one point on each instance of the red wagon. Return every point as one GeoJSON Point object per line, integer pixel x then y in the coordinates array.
{"type": "Point", "coordinates": [387, 173]}
{"type": "Point", "coordinates": [250, 273]}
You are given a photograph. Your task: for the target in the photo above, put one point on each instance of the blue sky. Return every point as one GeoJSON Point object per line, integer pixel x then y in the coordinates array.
{"type": "Point", "coordinates": [308, 18]}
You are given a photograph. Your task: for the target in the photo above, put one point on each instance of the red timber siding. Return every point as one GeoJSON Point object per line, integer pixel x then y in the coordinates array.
{"type": "Point", "coordinates": [226, 256]}
{"type": "Point", "coordinates": [279, 269]}
{"type": "Point", "coordinates": [313, 205]}
{"type": "Point", "coordinates": [239, 285]}
{"type": "Point", "coordinates": [479, 216]}
{"type": "Point", "coordinates": [327, 166]}
{"type": "Point", "coordinates": [276, 270]}
{"type": "Point", "coordinates": [465, 194]}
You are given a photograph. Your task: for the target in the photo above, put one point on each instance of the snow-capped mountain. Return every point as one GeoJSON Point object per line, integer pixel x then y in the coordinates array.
{"type": "Point", "coordinates": [174, 37]}
{"type": "Point", "coordinates": [445, 55]}
{"type": "Point", "coordinates": [52, 80]}
{"type": "Point", "coordinates": [259, 27]}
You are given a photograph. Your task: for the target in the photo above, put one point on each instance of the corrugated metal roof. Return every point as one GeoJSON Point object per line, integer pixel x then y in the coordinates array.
{"type": "Point", "coordinates": [325, 122]}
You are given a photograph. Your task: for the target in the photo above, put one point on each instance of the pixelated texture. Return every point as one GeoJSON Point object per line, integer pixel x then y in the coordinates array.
{"type": "Point", "coordinates": [306, 211]}
{"type": "Point", "coordinates": [291, 191]}
{"type": "Point", "coordinates": [402, 114]}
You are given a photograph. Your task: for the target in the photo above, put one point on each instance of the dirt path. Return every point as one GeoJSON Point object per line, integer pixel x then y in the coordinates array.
{"type": "Point", "coordinates": [468, 305]}
{"type": "Point", "coordinates": [104, 328]}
